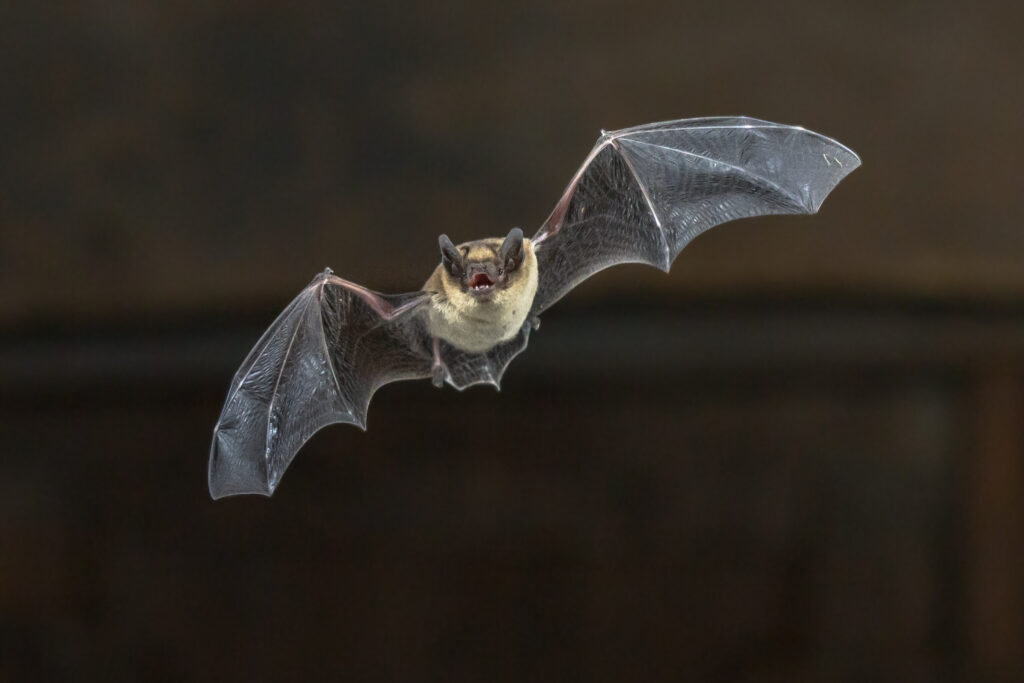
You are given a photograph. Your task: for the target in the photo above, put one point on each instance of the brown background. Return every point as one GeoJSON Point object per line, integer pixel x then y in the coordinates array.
{"type": "Point", "coordinates": [799, 457]}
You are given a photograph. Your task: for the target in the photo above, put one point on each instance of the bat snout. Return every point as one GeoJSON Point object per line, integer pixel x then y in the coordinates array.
{"type": "Point", "coordinates": [480, 281]}
{"type": "Point", "coordinates": [481, 278]}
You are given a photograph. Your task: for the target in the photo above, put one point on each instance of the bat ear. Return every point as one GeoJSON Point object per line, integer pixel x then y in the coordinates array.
{"type": "Point", "coordinates": [450, 256]}
{"type": "Point", "coordinates": [512, 247]}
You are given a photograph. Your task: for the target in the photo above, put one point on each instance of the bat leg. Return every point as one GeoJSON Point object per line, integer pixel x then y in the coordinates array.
{"type": "Point", "coordinates": [438, 371]}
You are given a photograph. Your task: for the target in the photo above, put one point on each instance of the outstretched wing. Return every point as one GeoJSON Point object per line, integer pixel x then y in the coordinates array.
{"type": "Point", "coordinates": [645, 192]}
{"type": "Point", "coordinates": [320, 362]}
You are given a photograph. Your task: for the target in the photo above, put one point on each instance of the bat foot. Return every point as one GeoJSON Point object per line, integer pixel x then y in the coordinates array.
{"type": "Point", "coordinates": [438, 372]}
{"type": "Point", "coordinates": [534, 321]}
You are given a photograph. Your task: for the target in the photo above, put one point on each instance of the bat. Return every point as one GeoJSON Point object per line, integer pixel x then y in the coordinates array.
{"type": "Point", "coordinates": [641, 195]}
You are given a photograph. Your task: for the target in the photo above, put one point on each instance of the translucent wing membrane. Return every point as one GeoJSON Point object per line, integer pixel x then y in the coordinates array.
{"type": "Point", "coordinates": [319, 363]}
{"type": "Point", "coordinates": [644, 193]}
{"type": "Point", "coordinates": [466, 369]}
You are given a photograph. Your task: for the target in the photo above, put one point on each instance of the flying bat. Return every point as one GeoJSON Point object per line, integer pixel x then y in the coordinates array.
{"type": "Point", "coordinates": [641, 195]}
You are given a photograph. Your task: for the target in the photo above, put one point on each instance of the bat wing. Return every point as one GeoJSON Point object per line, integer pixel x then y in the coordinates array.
{"type": "Point", "coordinates": [466, 369]}
{"type": "Point", "coordinates": [643, 193]}
{"type": "Point", "coordinates": [320, 362]}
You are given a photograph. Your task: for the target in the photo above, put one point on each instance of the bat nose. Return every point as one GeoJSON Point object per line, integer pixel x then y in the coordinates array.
{"type": "Point", "coordinates": [485, 268]}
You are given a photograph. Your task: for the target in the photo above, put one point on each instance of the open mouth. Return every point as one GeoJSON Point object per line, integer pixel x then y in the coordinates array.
{"type": "Point", "coordinates": [480, 282]}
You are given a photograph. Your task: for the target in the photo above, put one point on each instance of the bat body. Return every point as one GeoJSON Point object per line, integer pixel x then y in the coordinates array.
{"type": "Point", "coordinates": [640, 196]}
{"type": "Point", "coordinates": [491, 301]}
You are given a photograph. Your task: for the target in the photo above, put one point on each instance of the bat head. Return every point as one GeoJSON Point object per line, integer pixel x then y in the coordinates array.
{"type": "Point", "coordinates": [484, 267]}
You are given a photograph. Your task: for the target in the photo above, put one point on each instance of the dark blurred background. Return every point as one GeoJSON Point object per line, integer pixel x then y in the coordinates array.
{"type": "Point", "coordinates": [799, 457]}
